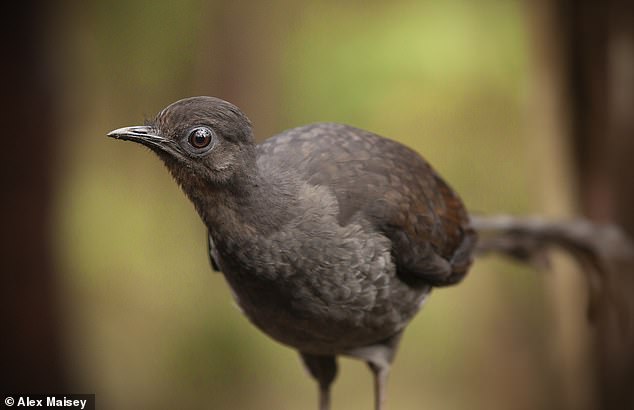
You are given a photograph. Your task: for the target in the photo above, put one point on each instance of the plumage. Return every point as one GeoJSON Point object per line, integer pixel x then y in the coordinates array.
{"type": "Point", "coordinates": [330, 237]}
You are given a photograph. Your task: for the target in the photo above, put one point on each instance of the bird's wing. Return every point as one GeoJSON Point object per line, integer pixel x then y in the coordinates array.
{"type": "Point", "coordinates": [388, 185]}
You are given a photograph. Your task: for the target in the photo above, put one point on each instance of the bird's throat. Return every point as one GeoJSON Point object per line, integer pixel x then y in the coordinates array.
{"type": "Point", "coordinates": [259, 207]}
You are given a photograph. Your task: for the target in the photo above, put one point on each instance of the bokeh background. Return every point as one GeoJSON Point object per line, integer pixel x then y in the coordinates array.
{"type": "Point", "coordinates": [524, 107]}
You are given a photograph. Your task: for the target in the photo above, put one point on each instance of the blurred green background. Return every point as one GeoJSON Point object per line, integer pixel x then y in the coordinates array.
{"type": "Point", "coordinates": [147, 324]}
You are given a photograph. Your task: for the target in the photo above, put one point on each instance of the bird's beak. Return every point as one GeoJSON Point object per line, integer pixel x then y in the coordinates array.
{"type": "Point", "coordinates": [142, 134]}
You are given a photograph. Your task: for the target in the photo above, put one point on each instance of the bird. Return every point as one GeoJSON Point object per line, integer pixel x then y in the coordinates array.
{"type": "Point", "coordinates": [330, 237]}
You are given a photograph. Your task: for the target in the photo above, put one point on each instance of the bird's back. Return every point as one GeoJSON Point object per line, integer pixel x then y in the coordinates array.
{"type": "Point", "coordinates": [388, 185]}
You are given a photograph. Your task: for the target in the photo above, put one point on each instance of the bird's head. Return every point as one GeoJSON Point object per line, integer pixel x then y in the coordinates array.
{"type": "Point", "coordinates": [200, 139]}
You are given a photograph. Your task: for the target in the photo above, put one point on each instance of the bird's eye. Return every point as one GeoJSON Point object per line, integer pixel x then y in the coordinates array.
{"type": "Point", "coordinates": [200, 137]}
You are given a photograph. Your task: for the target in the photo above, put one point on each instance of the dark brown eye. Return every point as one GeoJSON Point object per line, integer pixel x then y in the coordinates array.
{"type": "Point", "coordinates": [200, 137]}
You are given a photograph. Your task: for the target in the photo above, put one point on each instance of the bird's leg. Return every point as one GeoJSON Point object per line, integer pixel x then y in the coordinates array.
{"type": "Point", "coordinates": [324, 398]}
{"type": "Point", "coordinates": [378, 358]}
{"type": "Point", "coordinates": [324, 370]}
{"type": "Point", "coordinates": [380, 372]}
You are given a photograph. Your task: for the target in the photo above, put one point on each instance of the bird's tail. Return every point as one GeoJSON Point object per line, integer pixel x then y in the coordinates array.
{"type": "Point", "coordinates": [604, 253]}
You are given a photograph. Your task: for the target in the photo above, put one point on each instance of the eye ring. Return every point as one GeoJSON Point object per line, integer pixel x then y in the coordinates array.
{"type": "Point", "coordinates": [200, 137]}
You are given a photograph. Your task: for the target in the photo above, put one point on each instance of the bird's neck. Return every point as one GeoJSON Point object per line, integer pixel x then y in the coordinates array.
{"type": "Point", "coordinates": [252, 205]}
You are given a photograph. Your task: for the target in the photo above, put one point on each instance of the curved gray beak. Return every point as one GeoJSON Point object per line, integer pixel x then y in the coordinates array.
{"type": "Point", "coordinates": [141, 133]}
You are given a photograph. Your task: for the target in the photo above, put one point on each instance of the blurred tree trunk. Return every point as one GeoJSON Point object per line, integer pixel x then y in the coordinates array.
{"type": "Point", "coordinates": [240, 60]}
{"type": "Point", "coordinates": [600, 72]}
{"type": "Point", "coordinates": [588, 47]}
{"type": "Point", "coordinates": [31, 358]}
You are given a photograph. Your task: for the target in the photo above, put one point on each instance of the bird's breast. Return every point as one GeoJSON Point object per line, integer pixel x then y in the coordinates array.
{"type": "Point", "coordinates": [319, 287]}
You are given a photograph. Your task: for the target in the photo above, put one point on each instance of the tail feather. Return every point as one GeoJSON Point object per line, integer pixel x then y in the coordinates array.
{"type": "Point", "coordinates": [603, 252]}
